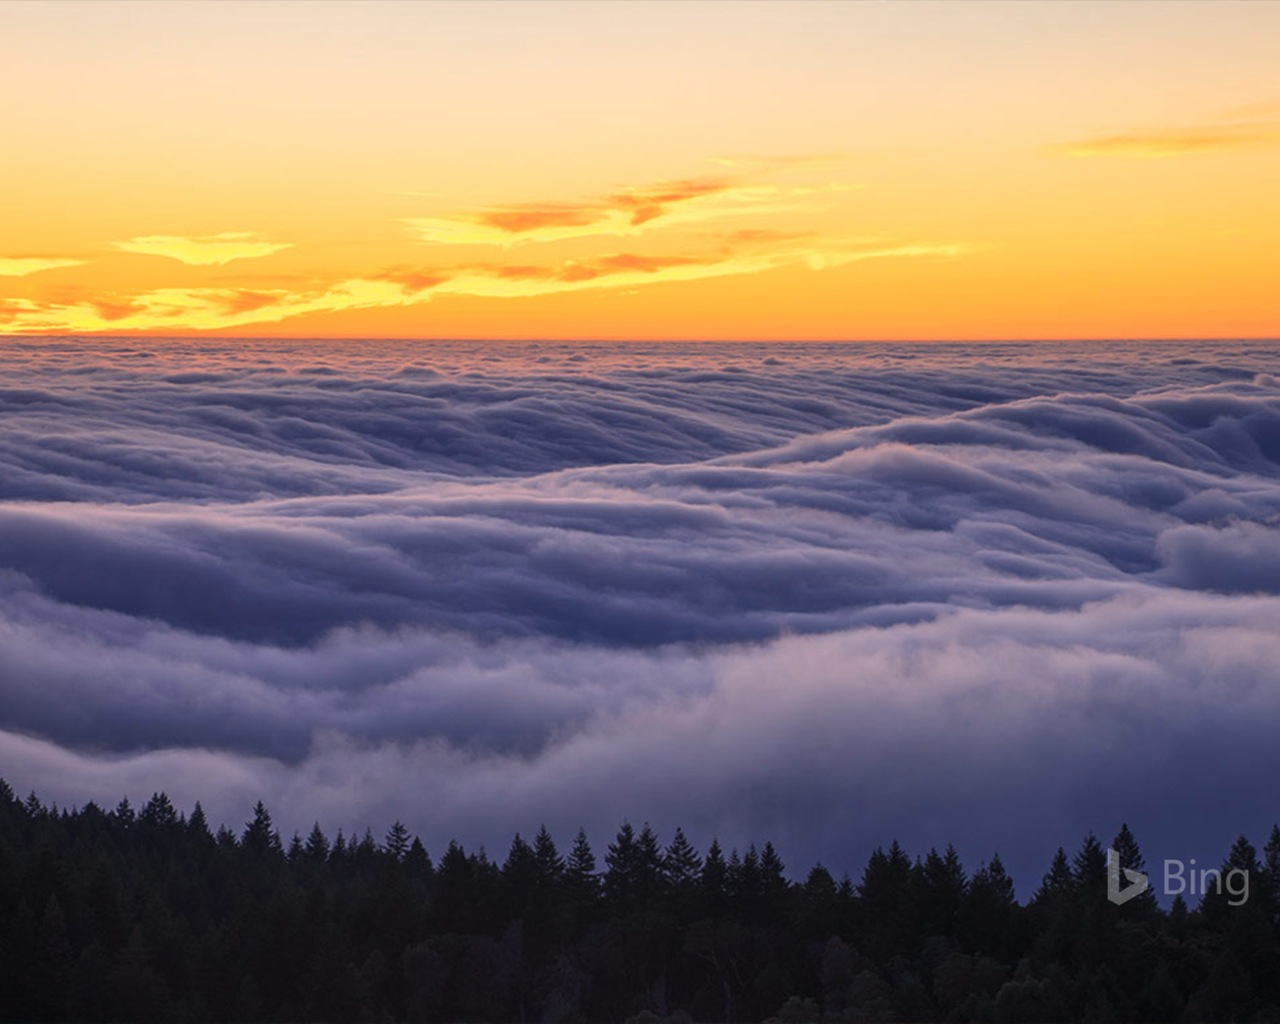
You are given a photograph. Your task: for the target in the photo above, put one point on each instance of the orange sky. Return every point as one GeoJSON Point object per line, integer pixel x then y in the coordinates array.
{"type": "Point", "coordinates": [647, 170]}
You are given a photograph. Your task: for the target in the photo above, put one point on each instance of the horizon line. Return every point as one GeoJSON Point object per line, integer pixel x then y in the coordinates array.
{"type": "Point", "coordinates": [639, 339]}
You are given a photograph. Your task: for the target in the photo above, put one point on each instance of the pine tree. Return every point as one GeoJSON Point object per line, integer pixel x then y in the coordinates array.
{"type": "Point", "coordinates": [1058, 883]}
{"type": "Point", "coordinates": [123, 813]}
{"type": "Point", "coordinates": [818, 905]}
{"type": "Point", "coordinates": [259, 836]}
{"type": "Point", "coordinates": [988, 909]}
{"type": "Point", "coordinates": [580, 871]}
{"type": "Point", "coordinates": [648, 868]}
{"type": "Point", "coordinates": [621, 869]}
{"type": "Point", "coordinates": [1232, 909]}
{"type": "Point", "coordinates": [1269, 887]}
{"type": "Point", "coordinates": [316, 848]}
{"type": "Point", "coordinates": [365, 853]}
{"type": "Point", "coordinates": [942, 887]}
{"type": "Point", "coordinates": [1000, 882]}
{"type": "Point", "coordinates": [456, 903]}
{"type": "Point", "coordinates": [681, 866]}
{"type": "Point", "coordinates": [1242, 857]}
{"type": "Point", "coordinates": [550, 864]}
{"type": "Point", "coordinates": [519, 876]}
{"type": "Point", "coordinates": [158, 812]}
{"type": "Point", "coordinates": [198, 826]}
{"type": "Point", "coordinates": [1129, 855]}
{"type": "Point", "coordinates": [746, 884]}
{"type": "Point", "coordinates": [397, 841]}
{"type": "Point", "coordinates": [772, 869]}
{"type": "Point", "coordinates": [714, 880]}
{"type": "Point", "coordinates": [417, 861]}
{"type": "Point", "coordinates": [1089, 868]}
{"type": "Point", "coordinates": [885, 899]}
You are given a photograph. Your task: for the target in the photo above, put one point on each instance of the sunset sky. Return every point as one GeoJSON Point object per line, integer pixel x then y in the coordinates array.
{"type": "Point", "coordinates": [627, 170]}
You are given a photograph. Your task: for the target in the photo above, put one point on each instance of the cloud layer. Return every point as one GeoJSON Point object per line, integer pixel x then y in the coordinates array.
{"type": "Point", "coordinates": [828, 595]}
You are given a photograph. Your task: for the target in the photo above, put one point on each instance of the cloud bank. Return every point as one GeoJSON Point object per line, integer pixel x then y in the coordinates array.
{"type": "Point", "coordinates": [828, 595]}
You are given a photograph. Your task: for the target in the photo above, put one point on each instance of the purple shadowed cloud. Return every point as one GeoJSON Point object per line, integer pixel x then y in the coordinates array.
{"type": "Point", "coordinates": [990, 595]}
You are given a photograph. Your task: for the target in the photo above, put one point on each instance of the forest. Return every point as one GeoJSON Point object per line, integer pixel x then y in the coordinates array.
{"type": "Point", "coordinates": [150, 914]}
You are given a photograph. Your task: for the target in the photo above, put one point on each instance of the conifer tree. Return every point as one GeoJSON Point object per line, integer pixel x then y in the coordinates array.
{"type": "Point", "coordinates": [198, 825]}
{"type": "Point", "coordinates": [648, 867]}
{"type": "Point", "coordinates": [551, 865]}
{"type": "Point", "coordinates": [397, 841]}
{"type": "Point", "coordinates": [1269, 887]}
{"type": "Point", "coordinates": [714, 879]}
{"type": "Point", "coordinates": [259, 836]}
{"type": "Point", "coordinates": [622, 861]}
{"type": "Point", "coordinates": [580, 870]}
{"type": "Point", "coordinates": [681, 865]}
{"type": "Point", "coordinates": [1129, 855]}
{"type": "Point", "coordinates": [1089, 868]}
{"type": "Point", "coordinates": [520, 875]}
{"type": "Point", "coordinates": [316, 847]}
{"type": "Point", "coordinates": [1058, 883]}
{"type": "Point", "coordinates": [988, 908]}
{"type": "Point", "coordinates": [772, 870]}
{"type": "Point", "coordinates": [123, 813]}
{"type": "Point", "coordinates": [158, 812]}
{"type": "Point", "coordinates": [942, 886]}
{"type": "Point", "coordinates": [417, 861]}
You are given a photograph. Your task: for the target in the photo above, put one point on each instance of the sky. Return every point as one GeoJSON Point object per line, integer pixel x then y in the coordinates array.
{"type": "Point", "coordinates": [641, 170]}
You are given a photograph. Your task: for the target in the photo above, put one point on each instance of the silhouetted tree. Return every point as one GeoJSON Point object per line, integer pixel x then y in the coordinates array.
{"type": "Point", "coordinates": [551, 865]}
{"type": "Point", "coordinates": [397, 841]}
{"type": "Point", "coordinates": [112, 916]}
{"type": "Point", "coordinates": [681, 867]}
{"type": "Point", "coordinates": [316, 848]}
{"type": "Point", "coordinates": [259, 836]}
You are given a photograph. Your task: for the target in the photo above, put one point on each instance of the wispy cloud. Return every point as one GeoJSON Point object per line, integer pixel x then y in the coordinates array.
{"type": "Point", "coordinates": [628, 211]}
{"type": "Point", "coordinates": [736, 243]}
{"type": "Point", "coordinates": [626, 270]}
{"type": "Point", "coordinates": [182, 309]}
{"type": "Point", "coordinates": [204, 250]}
{"type": "Point", "coordinates": [1244, 129]}
{"type": "Point", "coordinates": [21, 266]}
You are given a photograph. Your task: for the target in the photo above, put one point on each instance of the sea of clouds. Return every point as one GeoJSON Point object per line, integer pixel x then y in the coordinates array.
{"type": "Point", "coordinates": [995, 595]}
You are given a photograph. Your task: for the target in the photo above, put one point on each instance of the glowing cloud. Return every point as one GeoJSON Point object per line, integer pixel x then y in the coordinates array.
{"type": "Point", "coordinates": [625, 212]}
{"type": "Point", "coordinates": [184, 309]}
{"type": "Point", "coordinates": [204, 250]}
{"type": "Point", "coordinates": [21, 266]}
{"type": "Point", "coordinates": [1175, 142]}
